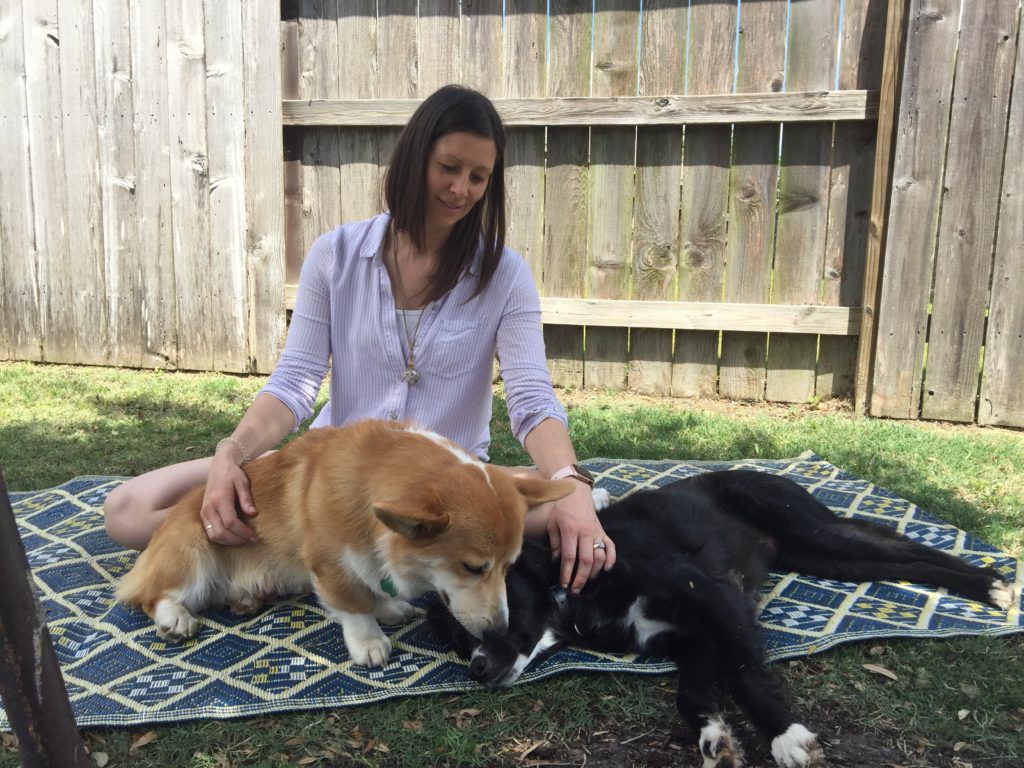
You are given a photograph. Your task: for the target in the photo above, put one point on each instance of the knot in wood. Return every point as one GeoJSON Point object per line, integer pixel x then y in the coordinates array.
{"type": "Point", "coordinates": [750, 190]}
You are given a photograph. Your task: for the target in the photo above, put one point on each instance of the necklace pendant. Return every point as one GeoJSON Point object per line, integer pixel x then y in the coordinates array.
{"type": "Point", "coordinates": [411, 376]}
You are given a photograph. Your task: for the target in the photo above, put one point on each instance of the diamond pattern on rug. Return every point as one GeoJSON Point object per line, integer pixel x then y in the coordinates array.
{"type": "Point", "coordinates": [292, 657]}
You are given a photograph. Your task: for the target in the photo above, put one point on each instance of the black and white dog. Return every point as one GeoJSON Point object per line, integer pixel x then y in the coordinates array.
{"type": "Point", "coordinates": [692, 557]}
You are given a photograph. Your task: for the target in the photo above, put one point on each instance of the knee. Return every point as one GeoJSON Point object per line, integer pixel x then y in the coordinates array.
{"type": "Point", "coordinates": [117, 511]}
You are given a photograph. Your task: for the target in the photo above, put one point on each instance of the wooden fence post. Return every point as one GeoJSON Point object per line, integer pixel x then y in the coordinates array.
{"type": "Point", "coordinates": [31, 685]}
{"type": "Point", "coordinates": [888, 112]}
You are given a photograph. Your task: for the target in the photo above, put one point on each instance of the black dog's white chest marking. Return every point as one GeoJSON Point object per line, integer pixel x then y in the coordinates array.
{"type": "Point", "coordinates": [644, 628]}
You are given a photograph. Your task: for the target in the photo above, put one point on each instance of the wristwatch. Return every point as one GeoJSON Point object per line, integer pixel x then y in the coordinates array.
{"type": "Point", "coordinates": [576, 472]}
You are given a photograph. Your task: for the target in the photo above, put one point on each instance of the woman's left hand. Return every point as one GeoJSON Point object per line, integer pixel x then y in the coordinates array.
{"type": "Point", "coordinates": [576, 535]}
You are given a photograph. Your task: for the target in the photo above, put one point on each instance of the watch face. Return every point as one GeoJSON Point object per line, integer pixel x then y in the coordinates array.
{"type": "Point", "coordinates": [582, 472]}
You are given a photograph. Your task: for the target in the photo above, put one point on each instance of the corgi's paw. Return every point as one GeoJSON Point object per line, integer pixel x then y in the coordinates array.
{"type": "Point", "coordinates": [367, 644]}
{"type": "Point", "coordinates": [369, 650]}
{"type": "Point", "coordinates": [391, 611]}
{"type": "Point", "coordinates": [246, 605]}
{"type": "Point", "coordinates": [601, 498]}
{"type": "Point", "coordinates": [173, 621]}
{"type": "Point", "coordinates": [796, 748]}
{"type": "Point", "coordinates": [717, 746]}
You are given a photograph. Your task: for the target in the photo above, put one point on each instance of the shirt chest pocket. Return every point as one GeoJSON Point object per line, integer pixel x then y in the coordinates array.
{"type": "Point", "coordinates": [457, 349]}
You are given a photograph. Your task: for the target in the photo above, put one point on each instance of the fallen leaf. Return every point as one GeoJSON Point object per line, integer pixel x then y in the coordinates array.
{"type": "Point", "coordinates": [878, 669]}
{"type": "Point", "coordinates": [101, 758]}
{"type": "Point", "coordinates": [295, 741]}
{"type": "Point", "coordinates": [962, 714]}
{"type": "Point", "coordinates": [308, 760]}
{"type": "Point", "coordinates": [142, 741]}
{"type": "Point", "coordinates": [413, 725]}
{"type": "Point", "coordinates": [383, 748]}
{"type": "Point", "coordinates": [877, 650]}
{"type": "Point", "coordinates": [959, 745]}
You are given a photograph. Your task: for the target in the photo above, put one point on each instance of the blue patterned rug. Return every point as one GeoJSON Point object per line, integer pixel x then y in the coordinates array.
{"type": "Point", "coordinates": [291, 657]}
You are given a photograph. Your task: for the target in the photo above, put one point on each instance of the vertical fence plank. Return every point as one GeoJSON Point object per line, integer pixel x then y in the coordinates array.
{"type": "Point", "coordinates": [226, 121]}
{"type": "Point", "coordinates": [291, 139]}
{"type": "Point", "coordinates": [850, 186]}
{"type": "Point", "coordinates": [439, 45]}
{"type": "Point", "coordinates": [565, 186]}
{"type": "Point", "coordinates": [186, 82]}
{"type": "Point", "coordinates": [612, 153]}
{"type": "Point", "coordinates": [264, 184]}
{"type": "Point", "coordinates": [319, 78]}
{"type": "Point", "coordinates": [984, 70]}
{"type": "Point", "coordinates": [705, 183]}
{"type": "Point", "coordinates": [151, 321]}
{"type": "Point", "coordinates": [891, 80]}
{"type": "Point", "coordinates": [79, 129]}
{"type": "Point", "coordinates": [524, 56]}
{"type": "Point", "coordinates": [396, 60]}
{"type": "Point", "coordinates": [359, 148]}
{"type": "Point", "coordinates": [659, 155]}
{"type": "Point", "coordinates": [760, 67]}
{"type": "Point", "coordinates": [481, 45]}
{"type": "Point", "coordinates": [118, 172]}
{"type": "Point", "coordinates": [20, 329]}
{"type": "Point", "coordinates": [1002, 396]}
{"type": "Point", "coordinates": [914, 211]}
{"type": "Point", "coordinates": [49, 183]}
{"type": "Point", "coordinates": [803, 199]}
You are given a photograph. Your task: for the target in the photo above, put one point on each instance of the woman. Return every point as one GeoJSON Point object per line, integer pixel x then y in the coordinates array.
{"type": "Point", "coordinates": [410, 308]}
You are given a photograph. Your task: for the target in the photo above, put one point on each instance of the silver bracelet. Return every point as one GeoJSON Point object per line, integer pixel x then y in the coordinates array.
{"type": "Point", "coordinates": [235, 442]}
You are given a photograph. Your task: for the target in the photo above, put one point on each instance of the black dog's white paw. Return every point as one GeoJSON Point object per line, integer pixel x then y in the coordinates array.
{"type": "Point", "coordinates": [796, 748]}
{"type": "Point", "coordinates": [1003, 594]}
{"type": "Point", "coordinates": [717, 746]}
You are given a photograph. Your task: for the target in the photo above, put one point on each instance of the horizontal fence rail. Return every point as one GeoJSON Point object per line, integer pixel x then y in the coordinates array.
{"type": "Point", "coordinates": [715, 109]}
{"type": "Point", "coordinates": [701, 316]}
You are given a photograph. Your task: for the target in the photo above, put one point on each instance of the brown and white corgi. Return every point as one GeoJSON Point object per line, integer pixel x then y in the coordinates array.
{"type": "Point", "coordinates": [350, 511]}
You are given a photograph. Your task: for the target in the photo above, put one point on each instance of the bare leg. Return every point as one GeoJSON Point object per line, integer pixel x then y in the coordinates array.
{"type": "Point", "coordinates": [135, 508]}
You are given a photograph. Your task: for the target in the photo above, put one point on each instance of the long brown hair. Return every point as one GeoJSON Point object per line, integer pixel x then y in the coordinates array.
{"type": "Point", "coordinates": [448, 110]}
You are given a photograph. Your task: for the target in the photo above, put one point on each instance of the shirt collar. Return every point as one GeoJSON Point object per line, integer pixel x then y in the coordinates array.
{"type": "Point", "coordinates": [373, 247]}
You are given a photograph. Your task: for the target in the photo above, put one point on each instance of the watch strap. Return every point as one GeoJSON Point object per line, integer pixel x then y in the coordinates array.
{"type": "Point", "coordinates": [574, 471]}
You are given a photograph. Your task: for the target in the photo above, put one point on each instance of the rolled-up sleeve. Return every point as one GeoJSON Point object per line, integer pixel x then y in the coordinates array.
{"type": "Point", "coordinates": [299, 374]}
{"type": "Point", "coordinates": [529, 396]}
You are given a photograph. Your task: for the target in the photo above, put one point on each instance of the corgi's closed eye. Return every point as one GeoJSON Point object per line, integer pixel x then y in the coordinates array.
{"type": "Point", "coordinates": [476, 570]}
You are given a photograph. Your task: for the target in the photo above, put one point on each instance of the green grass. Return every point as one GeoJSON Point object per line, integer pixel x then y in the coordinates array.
{"type": "Point", "coordinates": [57, 422]}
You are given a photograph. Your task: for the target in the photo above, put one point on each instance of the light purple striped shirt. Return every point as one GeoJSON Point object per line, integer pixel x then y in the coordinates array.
{"type": "Point", "coordinates": [345, 313]}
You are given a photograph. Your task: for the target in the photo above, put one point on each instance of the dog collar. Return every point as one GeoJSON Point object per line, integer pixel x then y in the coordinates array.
{"type": "Point", "coordinates": [387, 586]}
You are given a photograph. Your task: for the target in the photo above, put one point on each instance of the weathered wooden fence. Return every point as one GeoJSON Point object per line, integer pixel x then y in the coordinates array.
{"type": "Point", "coordinates": [950, 341]}
{"type": "Point", "coordinates": [140, 183]}
{"type": "Point", "coordinates": [691, 182]}
{"type": "Point", "coordinates": [755, 202]}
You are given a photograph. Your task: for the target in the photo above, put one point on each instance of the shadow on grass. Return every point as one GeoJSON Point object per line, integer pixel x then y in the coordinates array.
{"type": "Point", "coordinates": [121, 429]}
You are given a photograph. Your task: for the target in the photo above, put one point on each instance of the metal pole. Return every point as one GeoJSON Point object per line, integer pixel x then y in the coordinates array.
{"type": "Point", "coordinates": [30, 681]}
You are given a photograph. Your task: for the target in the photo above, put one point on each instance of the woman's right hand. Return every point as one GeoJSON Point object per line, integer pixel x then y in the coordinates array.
{"type": "Point", "coordinates": [227, 496]}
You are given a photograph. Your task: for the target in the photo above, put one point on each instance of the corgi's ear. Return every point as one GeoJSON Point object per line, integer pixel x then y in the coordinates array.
{"type": "Point", "coordinates": [537, 491]}
{"type": "Point", "coordinates": [412, 524]}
